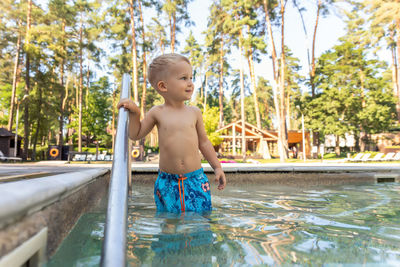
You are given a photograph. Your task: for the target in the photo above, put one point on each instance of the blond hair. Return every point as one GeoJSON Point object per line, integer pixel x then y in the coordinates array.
{"type": "Point", "coordinates": [159, 67]}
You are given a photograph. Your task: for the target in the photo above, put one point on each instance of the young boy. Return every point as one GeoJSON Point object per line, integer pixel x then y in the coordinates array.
{"type": "Point", "coordinates": [181, 184]}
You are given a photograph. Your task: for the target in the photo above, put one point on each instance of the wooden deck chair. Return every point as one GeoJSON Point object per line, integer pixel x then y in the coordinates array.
{"type": "Point", "coordinates": [377, 157]}
{"type": "Point", "coordinates": [388, 156]}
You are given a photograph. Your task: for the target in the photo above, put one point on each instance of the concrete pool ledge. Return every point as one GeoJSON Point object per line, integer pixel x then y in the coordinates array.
{"type": "Point", "coordinates": [55, 202]}
{"type": "Point", "coordinates": [25, 197]}
{"type": "Point", "coordinates": [287, 174]}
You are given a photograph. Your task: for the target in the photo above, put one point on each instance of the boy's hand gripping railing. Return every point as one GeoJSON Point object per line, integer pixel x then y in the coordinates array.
{"type": "Point", "coordinates": [114, 244]}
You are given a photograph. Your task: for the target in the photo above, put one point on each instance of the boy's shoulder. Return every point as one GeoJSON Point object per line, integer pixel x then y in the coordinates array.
{"type": "Point", "coordinates": [194, 109]}
{"type": "Point", "coordinates": [156, 109]}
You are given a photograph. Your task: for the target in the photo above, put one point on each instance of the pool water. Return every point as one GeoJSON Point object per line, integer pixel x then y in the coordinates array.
{"type": "Point", "coordinates": [255, 225]}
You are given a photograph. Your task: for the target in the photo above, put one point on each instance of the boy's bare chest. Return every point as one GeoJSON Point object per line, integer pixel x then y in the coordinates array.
{"type": "Point", "coordinates": [170, 122]}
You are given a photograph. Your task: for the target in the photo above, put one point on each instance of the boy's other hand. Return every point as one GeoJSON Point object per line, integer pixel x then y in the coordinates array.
{"type": "Point", "coordinates": [129, 105]}
{"type": "Point", "coordinates": [220, 178]}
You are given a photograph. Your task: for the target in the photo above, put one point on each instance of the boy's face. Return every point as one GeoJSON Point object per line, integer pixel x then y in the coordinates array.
{"type": "Point", "coordinates": [179, 84]}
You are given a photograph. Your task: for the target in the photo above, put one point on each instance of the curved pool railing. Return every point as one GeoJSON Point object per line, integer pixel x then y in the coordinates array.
{"type": "Point", "coordinates": [114, 244]}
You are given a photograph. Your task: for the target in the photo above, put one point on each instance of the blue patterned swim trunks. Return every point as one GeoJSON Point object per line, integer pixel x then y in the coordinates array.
{"type": "Point", "coordinates": [182, 192]}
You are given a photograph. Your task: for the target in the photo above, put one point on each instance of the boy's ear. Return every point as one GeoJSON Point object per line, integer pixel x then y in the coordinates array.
{"type": "Point", "coordinates": [162, 86]}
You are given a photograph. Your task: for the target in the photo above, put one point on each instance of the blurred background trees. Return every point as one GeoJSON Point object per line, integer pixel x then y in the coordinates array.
{"type": "Point", "coordinates": [61, 62]}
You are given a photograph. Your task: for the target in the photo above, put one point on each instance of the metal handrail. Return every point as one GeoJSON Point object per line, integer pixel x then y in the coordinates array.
{"type": "Point", "coordinates": [114, 244]}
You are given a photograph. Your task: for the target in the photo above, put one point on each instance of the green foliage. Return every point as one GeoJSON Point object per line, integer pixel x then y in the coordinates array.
{"type": "Point", "coordinates": [195, 54]}
{"type": "Point", "coordinates": [353, 89]}
{"type": "Point", "coordinates": [92, 150]}
{"type": "Point", "coordinates": [211, 119]}
{"type": "Point", "coordinates": [351, 95]}
{"type": "Point", "coordinates": [97, 115]}
{"type": "Point", "coordinates": [5, 95]}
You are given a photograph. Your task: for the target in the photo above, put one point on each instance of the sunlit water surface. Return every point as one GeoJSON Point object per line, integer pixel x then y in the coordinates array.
{"type": "Point", "coordinates": [255, 225]}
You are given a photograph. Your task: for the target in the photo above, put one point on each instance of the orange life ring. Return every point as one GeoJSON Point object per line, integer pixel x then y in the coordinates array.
{"type": "Point", "coordinates": [54, 152]}
{"type": "Point", "coordinates": [135, 153]}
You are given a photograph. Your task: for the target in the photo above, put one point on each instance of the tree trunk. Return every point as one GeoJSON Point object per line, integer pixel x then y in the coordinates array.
{"type": "Point", "coordinates": [221, 80]}
{"type": "Point", "coordinates": [397, 94]}
{"type": "Point", "coordinates": [312, 73]}
{"type": "Point", "coordinates": [242, 114]}
{"type": "Point", "coordinates": [283, 128]}
{"type": "Point", "coordinates": [162, 47]}
{"type": "Point", "coordinates": [173, 29]}
{"type": "Point", "coordinates": [275, 84]}
{"type": "Point", "coordinates": [337, 145]}
{"type": "Point", "coordinates": [271, 41]}
{"type": "Point", "coordinates": [201, 90]}
{"type": "Point", "coordinates": [76, 92]}
{"type": "Point", "coordinates": [14, 85]}
{"type": "Point", "coordinates": [80, 84]}
{"type": "Point", "coordinates": [61, 121]}
{"type": "Point", "coordinates": [62, 94]}
{"type": "Point", "coordinates": [27, 82]}
{"type": "Point", "coordinates": [87, 87]}
{"type": "Point", "coordinates": [253, 85]}
{"type": "Point", "coordinates": [134, 55]}
{"type": "Point", "coordinates": [268, 153]}
{"type": "Point", "coordinates": [205, 94]}
{"type": "Point", "coordinates": [394, 71]}
{"type": "Point", "coordinates": [306, 35]}
{"type": "Point", "coordinates": [35, 138]}
{"type": "Point", "coordinates": [63, 104]}
{"type": "Point", "coordinates": [287, 105]}
{"type": "Point", "coordinates": [144, 88]}
{"type": "Point", "coordinates": [362, 80]}
{"type": "Point", "coordinates": [395, 78]}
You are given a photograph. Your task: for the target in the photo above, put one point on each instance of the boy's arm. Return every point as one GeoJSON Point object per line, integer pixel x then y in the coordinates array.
{"type": "Point", "coordinates": [208, 151]}
{"type": "Point", "coordinates": [138, 129]}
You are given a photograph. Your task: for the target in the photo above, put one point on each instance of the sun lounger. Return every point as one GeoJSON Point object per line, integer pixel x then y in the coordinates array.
{"type": "Point", "coordinates": [357, 157]}
{"type": "Point", "coordinates": [365, 157]}
{"type": "Point", "coordinates": [4, 158]}
{"type": "Point", "coordinates": [361, 157]}
{"type": "Point", "coordinates": [388, 156]}
{"type": "Point", "coordinates": [397, 156]}
{"type": "Point", "coordinates": [377, 157]}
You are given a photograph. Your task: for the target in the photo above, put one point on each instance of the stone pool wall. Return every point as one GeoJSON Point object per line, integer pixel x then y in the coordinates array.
{"type": "Point", "coordinates": [291, 175]}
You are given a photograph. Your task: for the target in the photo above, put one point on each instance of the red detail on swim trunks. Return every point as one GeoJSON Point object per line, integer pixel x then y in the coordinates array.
{"type": "Point", "coordinates": [182, 193]}
{"type": "Point", "coordinates": [158, 194]}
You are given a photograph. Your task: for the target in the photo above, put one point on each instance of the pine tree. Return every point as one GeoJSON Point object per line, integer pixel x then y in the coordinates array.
{"type": "Point", "coordinates": [176, 11]}
{"type": "Point", "coordinates": [385, 21]}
